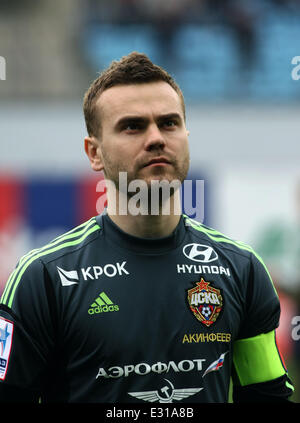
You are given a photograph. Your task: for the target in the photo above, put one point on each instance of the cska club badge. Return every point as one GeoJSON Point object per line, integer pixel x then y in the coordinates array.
{"type": "Point", "coordinates": [205, 302]}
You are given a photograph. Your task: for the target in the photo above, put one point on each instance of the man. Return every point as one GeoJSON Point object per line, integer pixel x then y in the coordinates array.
{"type": "Point", "coordinates": [148, 307]}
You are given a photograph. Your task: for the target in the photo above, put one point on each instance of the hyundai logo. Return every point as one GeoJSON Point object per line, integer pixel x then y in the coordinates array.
{"type": "Point", "coordinates": [199, 252]}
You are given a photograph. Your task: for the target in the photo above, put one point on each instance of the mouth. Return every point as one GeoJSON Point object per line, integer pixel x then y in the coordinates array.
{"type": "Point", "coordinates": [158, 161]}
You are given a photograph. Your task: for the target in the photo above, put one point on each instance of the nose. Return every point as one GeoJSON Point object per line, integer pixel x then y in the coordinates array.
{"type": "Point", "coordinates": [154, 138]}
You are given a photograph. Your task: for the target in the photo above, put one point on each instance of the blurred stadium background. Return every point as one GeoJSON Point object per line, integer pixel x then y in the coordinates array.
{"type": "Point", "coordinates": [233, 61]}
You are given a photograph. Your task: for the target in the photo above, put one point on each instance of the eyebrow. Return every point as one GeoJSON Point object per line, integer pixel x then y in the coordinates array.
{"type": "Point", "coordinates": [143, 120]}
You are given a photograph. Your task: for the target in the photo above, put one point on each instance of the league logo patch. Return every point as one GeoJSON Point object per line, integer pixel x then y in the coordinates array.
{"type": "Point", "coordinates": [6, 333]}
{"type": "Point", "coordinates": [205, 302]}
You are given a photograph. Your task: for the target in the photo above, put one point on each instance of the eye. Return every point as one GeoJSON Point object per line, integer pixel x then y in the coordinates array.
{"type": "Point", "coordinates": [132, 127]}
{"type": "Point", "coordinates": [170, 123]}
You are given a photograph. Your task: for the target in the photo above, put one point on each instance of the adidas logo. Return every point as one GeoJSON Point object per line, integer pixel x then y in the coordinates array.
{"type": "Point", "coordinates": [102, 304]}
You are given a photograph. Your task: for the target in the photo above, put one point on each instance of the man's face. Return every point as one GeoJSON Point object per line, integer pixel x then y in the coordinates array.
{"type": "Point", "coordinates": [143, 133]}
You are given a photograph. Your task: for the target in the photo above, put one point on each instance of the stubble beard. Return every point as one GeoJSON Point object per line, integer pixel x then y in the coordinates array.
{"type": "Point", "coordinates": [172, 180]}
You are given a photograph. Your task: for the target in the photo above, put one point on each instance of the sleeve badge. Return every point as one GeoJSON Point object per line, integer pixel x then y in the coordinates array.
{"type": "Point", "coordinates": [6, 333]}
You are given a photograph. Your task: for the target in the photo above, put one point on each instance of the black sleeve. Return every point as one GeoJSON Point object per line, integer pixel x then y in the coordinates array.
{"type": "Point", "coordinates": [11, 394]}
{"type": "Point", "coordinates": [273, 391]}
{"type": "Point", "coordinates": [26, 324]}
{"type": "Point", "coordinates": [259, 373]}
{"type": "Point", "coordinates": [262, 301]}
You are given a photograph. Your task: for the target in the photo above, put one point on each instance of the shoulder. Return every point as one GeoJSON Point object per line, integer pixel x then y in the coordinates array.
{"type": "Point", "coordinates": [66, 243]}
{"type": "Point", "coordinates": [218, 239]}
{"type": "Point", "coordinates": [238, 251]}
{"type": "Point", "coordinates": [31, 266]}
{"type": "Point", "coordinates": [69, 242]}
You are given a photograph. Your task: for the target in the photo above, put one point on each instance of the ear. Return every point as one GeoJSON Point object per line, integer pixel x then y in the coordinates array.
{"type": "Point", "coordinates": [93, 151]}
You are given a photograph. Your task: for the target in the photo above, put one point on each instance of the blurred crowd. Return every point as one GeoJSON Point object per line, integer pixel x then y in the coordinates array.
{"type": "Point", "coordinates": [183, 11]}
{"type": "Point", "coordinates": [168, 16]}
{"type": "Point", "coordinates": [68, 40]}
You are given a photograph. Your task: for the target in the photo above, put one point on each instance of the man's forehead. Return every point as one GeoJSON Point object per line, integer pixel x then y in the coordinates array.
{"type": "Point", "coordinates": [158, 97]}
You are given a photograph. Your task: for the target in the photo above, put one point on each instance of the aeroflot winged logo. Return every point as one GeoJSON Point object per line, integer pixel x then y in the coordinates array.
{"type": "Point", "coordinates": [166, 394]}
{"type": "Point", "coordinates": [199, 252]}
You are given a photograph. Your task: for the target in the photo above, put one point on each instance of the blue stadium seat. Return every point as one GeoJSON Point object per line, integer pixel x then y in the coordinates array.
{"type": "Point", "coordinates": [104, 43]}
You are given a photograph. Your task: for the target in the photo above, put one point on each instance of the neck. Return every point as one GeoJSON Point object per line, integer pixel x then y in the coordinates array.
{"type": "Point", "coordinates": [139, 221]}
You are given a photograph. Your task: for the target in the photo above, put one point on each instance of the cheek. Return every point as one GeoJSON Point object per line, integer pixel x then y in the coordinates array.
{"type": "Point", "coordinates": [182, 148]}
{"type": "Point", "coordinates": [117, 160]}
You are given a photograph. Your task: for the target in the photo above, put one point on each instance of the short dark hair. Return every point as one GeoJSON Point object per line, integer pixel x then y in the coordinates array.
{"type": "Point", "coordinates": [135, 68]}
